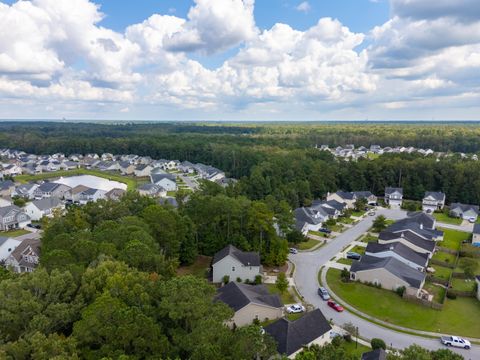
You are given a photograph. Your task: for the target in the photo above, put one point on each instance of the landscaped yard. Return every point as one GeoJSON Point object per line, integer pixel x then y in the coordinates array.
{"type": "Point", "coordinates": [358, 213]}
{"type": "Point", "coordinates": [442, 272]}
{"type": "Point", "coordinates": [452, 239]}
{"type": "Point", "coordinates": [345, 261]}
{"type": "Point", "coordinates": [369, 238]}
{"type": "Point", "coordinates": [345, 220]}
{"type": "Point", "coordinates": [437, 291]}
{"type": "Point", "coordinates": [458, 316]}
{"type": "Point", "coordinates": [358, 249]}
{"type": "Point", "coordinates": [199, 268]}
{"type": "Point", "coordinates": [318, 233]}
{"type": "Point", "coordinates": [444, 218]}
{"type": "Point", "coordinates": [287, 297]}
{"type": "Point", "coordinates": [336, 227]}
{"type": "Point", "coordinates": [307, 245]}
{"type": "Point", "coordinates": [14, 233]}
{"type": "Point", "coordinates": [463, 284]}
{"type": "Point", "coordinates": [355, 350]}
{"type": "Point", "coordinates": [445, 257]}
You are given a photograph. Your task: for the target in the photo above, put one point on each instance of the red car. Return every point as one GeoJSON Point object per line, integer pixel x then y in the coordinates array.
{"type": "Point", "coordinates": [335, 306]}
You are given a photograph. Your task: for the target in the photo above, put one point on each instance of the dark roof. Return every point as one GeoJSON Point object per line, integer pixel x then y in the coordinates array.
{"type": "Point", "coordinates": [292, 335]}
{"type": "Point", "coordinates": [20, 250]}
{"type": "Point", "coordinates": [345, 195]}
{"type": "Point", "coordinates": [439, 196]}
{"type": "Point", "coordinates": [246, 258]}
{"type": "Point", "coordinates": [412, 238]}
{"type": "Point", "coordinates": [305, 215]}
{"type": "Point", "coordinates": [401, 270]}
{"type": "Point", "coordinates": [238, 295]}
{"type": "Point", "coordinates": [464, 207]}
{"type": "Point", "coordinates": [158, 177]}
{"type": "Point", "coordinates": [7, 184]}
{"type": "Point", "coordinates": [48, 187]}
{"type": "Point", "coordinates": [46, 203]}
{"type": "Point", "coordinates": [362, 194]}
{"type": "Point", "coordinates": [399, 249]}
{"type": "Point", "coordinates": [420, 218]}
{"type": "Point", "coordinates": [377, 354]}
{"type": "Point", "coordinates": [3, 239]}
{"type": "Point", "coordinates": [391, 190]}
{"type": "Point", "coordinates": [476, 229]}
{"type": "Point", "coordinates": [335, 204]}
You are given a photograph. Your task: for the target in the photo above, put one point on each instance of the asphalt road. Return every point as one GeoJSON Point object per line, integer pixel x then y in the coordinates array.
{"type": "Point", "coordinates": [307, 265]}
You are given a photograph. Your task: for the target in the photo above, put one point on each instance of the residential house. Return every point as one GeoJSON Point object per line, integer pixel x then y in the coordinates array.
{"type": "Point", "coordinates": [209, 172]}
{"type": "Point", "coordinates": [250, 302]}
{"type": "Point", "coordinates": [115, 194]}
{"type": "Point", "coordinates": [107, 166]}
{"type": "Point", "coordinates": [476, 235]}
{"type": "Point", "coordinates": [12, 170]}
{"type": "Point", "coordinates": [7, 245]}
{"type": "Point", "coordinates": [26, 191]}
{"type": "Point", "coordinates": [69, 165]}
{"type": "Point", "coordinates": [433, 201]}
{"type": "Point", "coordinates": [152, 190]}
{"type": "Point", "coordinates": [291, 336]}
{"type": "Point", "coordinates": [235, 264]}
{"type": "Point", "coordinates": [73, 194]}
{"type": "Point", "coordinates": [6, 188]}
{"type": "Point", "coordinates": [25, 257]}
{"type": "Point", "coordinates": [51, 189]}
{"type": "Point", "coordinates": [367, 195]}
{"type": "Point", "coordinates": [91, 195]}
{"type": "Point", "coordinates": [388, 272]}
{"type": "Point", "coordinates": [126, 167]}
{"type": "Point", "coordinates": [167, 181]}
{"type": "Point", "coordinates": [12, 217]}
{"type": "Point", "coordinates": [409, 239]}
{"type": "Point", "coordinates": [6, 201]}
{"type": "Point", "coordinates": [463, 211]}
{"type": "Point", "coordinates": [349, 198]}
{"type": "Point", "coordinates": [398, 250]}
{"type": "Point", "coordinates": [309, 219]}
{"type": "Point", "coordinates": [143, 170]}
{"type": "Point", "coordinates": [394, 197]}
{"type": "Point", "coordinates": [37, 209]}
{"type": "Point", "coordinates": [377, 354]}
{"type": "Point", "coordinates": [186, 167]}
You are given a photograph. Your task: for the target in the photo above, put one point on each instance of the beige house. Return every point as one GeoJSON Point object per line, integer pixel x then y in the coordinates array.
{"type": "Point", "coordinates": [250, 302]}
{"type": "Point", "coordinates": [235, 264]}
{"type": "Point", "coordinates": [291, 336]}
{"type": "Point", "coordinates": [390, 273]}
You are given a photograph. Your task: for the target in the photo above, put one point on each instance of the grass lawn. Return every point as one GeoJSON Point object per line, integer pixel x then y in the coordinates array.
{"type": "Point", "coordinates": [345, 261]}
{"type": "Point", "coordinates": [336, 227]}
{"type": "Point", "coordinates": [307, 245]}
{"type": "Point", "coordinates": [369, 238]}
{"type": "Point", "coordinates": [131, 182]}
{"type": "Point", "coordinates": [452, 239]}
{"type": "Point", "coordinates": [359, 250]}
{"type": "Point", "coordinates": [445, 257]}
{"type": "Point", "coordinates": [444, 218]}
{"type": "Point", "coordinates": [442, 272]}
{"type": "Point", "coordinates": [318, 233]}
{"type": "Point", "coordinates": [171, 193]}
{"type": "Point", "coordinates": [199, 268]}
{"type": "Point", "coordinates": [287, 297]}
{"type": "Point", "coordinates": [358, 213]}
{"type": "Point", "coordinates": [356, 351]}
{"type": "Point", "coordinates": [345, 220]}
{"type": "Point", "coordinates": [463, 284]}
{"type": "Point", "coordinates": [458, 316]}
{"type": "Point", "coordinates": [13, 233]}
{"type": "Point", "coordinates": [437, 291]}
{"type": "Point", "coordinates": [293, 317]}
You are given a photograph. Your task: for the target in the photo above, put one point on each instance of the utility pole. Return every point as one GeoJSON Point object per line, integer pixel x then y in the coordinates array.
{"type": "Point", "coordinates": [356, 338]}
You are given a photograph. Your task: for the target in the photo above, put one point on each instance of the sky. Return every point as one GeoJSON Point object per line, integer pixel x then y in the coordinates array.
{"type": "Point", "coordinates": [240, 59]}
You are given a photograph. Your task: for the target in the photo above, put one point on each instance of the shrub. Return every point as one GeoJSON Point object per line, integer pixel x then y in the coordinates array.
{"type": "Point", "coordinates": [345, 275]}
{"type": "Point", "coordinates": [451, 295]}
{"type": "Point", "coordinates": [226, 279]}
{"type": "Point", "coordinates": [400, 291]}
{"type": "Point", "coordinates": [376, 343]}
{"type": "Point", "coordinates": [347, 337]}
{"type": "Point", "coordinates": [239, 279]}
{"type": "Point", "coordinates": [282, 282]}
{"type": "Point", "coordinates": [258, 279]}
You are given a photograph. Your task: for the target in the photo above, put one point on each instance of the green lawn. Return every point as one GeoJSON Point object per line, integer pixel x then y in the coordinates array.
{"type": "Point", "coordinates": [458, 316]}
{"type": "Point", "coordinates": [356, 351]}
{"type": "Point", "coordinates": [359, 250]}
{"type": "Point", "coordinates": [437, 291]}
{"type": "Point", "coordinates": [444, 218]}
{"type": "Point", "coordinates": [199, 268]}
{"type": "Point", "coordinates": [336, 227]}
{"type": "Point", "coordinates": [445, 257]}
{"type": "Point", "coordinates": [358, 213]}
{"type": "Point", "coordinates": [345, 220]}
{"type": "Point", "coordinates": [345, 261]}
{"type": "Point", "coordinates": [369, 238]}
{"type": "Point", "coordinates": [13, 233]}
{"type": "Point", "coordinates": [287, 297]}
{"type": "Point", "coordinates": [318, 233]}
{"type": "Point", "coordinates": [452, 239]}
{"type": "Point", "coordinates": [463, 284]}
{"type": "Point", "coordinates": [307, 245]}
{"type": "Point", "coordinates": [442, 272]}
{"type": "Point", "coordinates": [293, 317]}
{"type": "Point", "coordinates": [131, 182]}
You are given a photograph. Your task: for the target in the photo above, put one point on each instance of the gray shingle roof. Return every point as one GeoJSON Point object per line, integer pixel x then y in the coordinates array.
{"type": "Point", "coordinates": [48, 187]}
{"type": "Point", "coordinates": [401, 270]}
{"type": "Point", "coordinates": [476, 229]}
{"type": "Point", "coordinates": [292, 335]}
{"type": "Point", "coordinates": [238, 295]}
{"type": "Point", "coordinates": [6, 209]}
{"type": "Point", "coordinates": [362, 194]}
{"type": "Point", "coordinates": [305, 215]}
{"type": "Point", "coordinates": [377, 354]}
{"type": "Point", "coordinates": [7, 184]}
{"type": "Point", "coordinates": [46, 203]}
{"type": "Point", "coordinates": [391, 190]}
{"type": "Point", "coordinates": [246, 258]}
{"type": "Point", "coordinates": [428, 245]}
{"type": "Point", "coordinates": [439, 196]}
{"type": "Point", "coordinates": [158, 177]}
{"type": "Point", "coordinates": [399, 249]}
{"type": "Point", "coordinates": [461, 208]}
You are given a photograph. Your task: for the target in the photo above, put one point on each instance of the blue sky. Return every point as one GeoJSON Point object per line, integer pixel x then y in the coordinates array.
{"type": "Point", "coordinates": [240, 59]}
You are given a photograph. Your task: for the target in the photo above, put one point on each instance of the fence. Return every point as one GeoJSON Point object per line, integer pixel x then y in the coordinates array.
{"type": "Point", "coordinates": [447, 250]}
{"type": "Point", "coordinates": [442, 263]}
{"type": "Point", "coordinates": [431, 304]}
{"type": "Point", "coordinates": [437, 280]}
{"type": "Point", "coordinates": [459, 293]}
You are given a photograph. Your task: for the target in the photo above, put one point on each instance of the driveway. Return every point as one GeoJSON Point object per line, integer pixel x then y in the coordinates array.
{"type": "Point", "coordinates": [465, 226]}
{"type": "Point", "coordinates": [307, 265]}
{"type": "Point", "coordinates": [189, 181]}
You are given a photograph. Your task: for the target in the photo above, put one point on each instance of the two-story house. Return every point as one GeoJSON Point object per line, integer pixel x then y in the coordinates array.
{"type": "Point", "coordinates": [37, 209]}
{"type": "Point", "coordinates": [235, 264]}
{"type": "Point", "coordinates": [25, 257]}
{"type": "Point", "coordinates": [12, 217]}
{"type": "Point", "coordinates": [51, 189]}
{"type": "Point", "coordinates": [433, 201]}
{"type": "Point", "coordinates": [394, 197]}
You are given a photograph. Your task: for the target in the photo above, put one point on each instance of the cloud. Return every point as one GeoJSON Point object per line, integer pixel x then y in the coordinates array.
{"type": "Point", "coordinates": [303, 7]}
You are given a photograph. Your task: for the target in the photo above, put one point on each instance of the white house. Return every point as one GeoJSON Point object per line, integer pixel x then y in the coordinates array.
{"type": "Point", "coordinates": [91, 195]}
{"type": "Point", "coordinates": [143, 170]}
{"type": "Point", "coordinates": [394, 197]}
{"type": "Point", "coordinates": [12, 217]}
{"type": "Point", "coordinates": [235, 264]}
{"type": "Point", "coordinates": [464, 211]}
{"type": "Point", "coordinates": [25, 257]}
{"type": "Point", "coordinates": [7, 245]}
{"type": "Point", "coordinates": [12, 170]}
{"type": "Point", "coordinates": [26, 191]}
{"type": "Point", "coordinates": [37, 209]}
{"type": "Point", "coordinates": [167, 181]}
{"type": "Point", "coordinates": [433, 201]}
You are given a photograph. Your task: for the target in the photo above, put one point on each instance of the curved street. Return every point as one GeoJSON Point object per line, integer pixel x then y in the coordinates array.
{"type": "Point", "coordinates": [308, 264]}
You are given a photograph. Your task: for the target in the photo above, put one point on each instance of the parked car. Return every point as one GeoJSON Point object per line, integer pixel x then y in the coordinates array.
{"type": "Point", "coordinates": [372, 213]}
{"type": "Point", "coordinates": [472, 220]}
{"type": "Point", "coordinates": [455, 341]}
{"type": "Point", "coordinates": [353, 255]}
{"type": "Point", "coordinates": [335, 306]}
{"type": "Point", "coordinates": [325, 230]}
{"type": "Point", "coordinates": [293, 251]}
{"type": "Point", "coordinates": [295, 308]}
{"type": "Point", "coordinates": [323, 293]}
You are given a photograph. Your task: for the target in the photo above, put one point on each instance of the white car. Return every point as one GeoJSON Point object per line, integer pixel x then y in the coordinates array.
{"type": "Point", "coordinates": [455, 341]}
{"type": "Point", "coordinates": [472, 220]}
{"type": "Point", "coordinates": [293, 251]}
{"type": "Point", "coordinates": [295, 308]}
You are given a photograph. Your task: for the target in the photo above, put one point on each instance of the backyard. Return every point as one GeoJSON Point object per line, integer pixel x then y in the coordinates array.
{"type": "Point", "coordinates": [458, 316]}
{"type": "Point", "coordinates": [287, 297]}
{"type": "Point", "coordinates": [452, 239]}
{"type": "Point", "coordinates": [442, 272]}
{"type": "Point", "coordinates": [199, 268]}
{"type": "Point", "coordinates": [445, 218]}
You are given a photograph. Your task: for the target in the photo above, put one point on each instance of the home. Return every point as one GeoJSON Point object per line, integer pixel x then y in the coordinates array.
{"type": "Point", "coordinates": [209, 172]}
{"type": "Point", "coordinates": [463, 211]}
{"type": "Point", "coordinates": [250, 302]}
{"type": "Point", "coordinates": [291, 336]}
{"type": "Point", "coordinates": [69, 165]}
{"type": "Point", "coordinates": [433, 201]}
{"type": "Point", "coordinates": [26, 191]}
{"type": "Point", "coordinates": [91, 195]}
{"type": "Point", "coordinates": [235, 264]}
{"type": "Point", "coordinates": [51, 189]}
{"type": "Point", "coordinates": [6, 188]}
{"type": "Point", "coordinates": [37, 209]}
{"type": "Point", "coordinates": [25, 257]}
{"type": "Point", "coordinates": [73, 194]}
{"type": "Point", "coordinates": [143, 170]}
{"type": "Point", "coordinates": [7, 245]}
{"type": "Point", "coordinates": [115, 194]}
{"type": "Point", "coordinates": [151, 190]}
{"type": "Point", "coordinates": [12, 217]}
{"type": "Point", "coordinates": [126, 167]}
{"type": "Point", "coordinates": [394, 197]}
{"type": "Point", "coordinates": [399, 251]}
{"type": "Point", "coordinates": [107, 166]}
{"type": "Point", "coordinates": [409, 239]}
{"type": "Point", "coordinates": [377, 354]}
{"type": "Point", "coordinates": [476, 235]}
{"type": "Point", "coordinates": [389, 273]}
{"type": "Point", "coordinates": [12, 170]}
{"type": "Point", "coordinates": [5, 201]}
{"type": "Point", "coordinates": [349, 198]}
{"type": "Point", "coordinates": [309, 219]}
{"type": "Point", "coordinates": [186, 167]}
{"type": "Point", "coordinates": [167, 181]}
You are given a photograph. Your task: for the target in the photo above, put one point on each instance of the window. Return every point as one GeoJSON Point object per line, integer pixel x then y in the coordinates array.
{"type": "Point", "coordinates": [233, 268]}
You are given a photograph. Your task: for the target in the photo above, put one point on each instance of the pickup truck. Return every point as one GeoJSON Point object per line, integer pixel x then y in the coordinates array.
{"type": "Point", "coordinates": [455, 341]}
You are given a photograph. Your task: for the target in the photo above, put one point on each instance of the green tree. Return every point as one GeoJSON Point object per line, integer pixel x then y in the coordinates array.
{"type": "Point", "coordinates": [469, 266]}
{"type": "Point", "coordinates": [282, 282]}
{"type": "Point", "coordinates": [376, 343]}
{"type": "Point", "coordinates": [379, 223]}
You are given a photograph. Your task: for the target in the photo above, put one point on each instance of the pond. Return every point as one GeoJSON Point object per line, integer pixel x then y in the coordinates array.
{"type": "Point", "coordinates": [93, 182]}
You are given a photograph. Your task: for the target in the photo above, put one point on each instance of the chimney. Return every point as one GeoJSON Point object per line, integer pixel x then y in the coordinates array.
{"type": "Point", "coordinates": [421, 226]}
